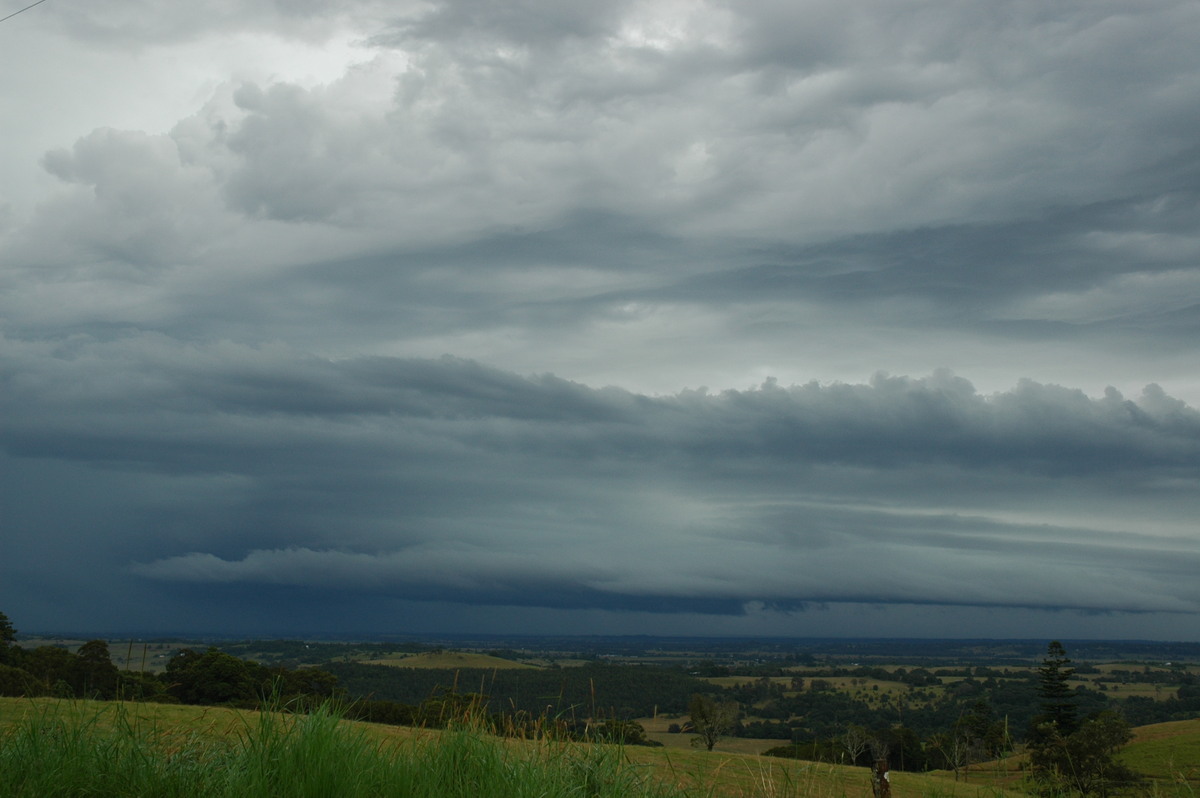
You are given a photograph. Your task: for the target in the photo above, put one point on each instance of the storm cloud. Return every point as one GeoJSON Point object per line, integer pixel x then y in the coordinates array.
{"type": "Point", "coordinates": [757, 317]}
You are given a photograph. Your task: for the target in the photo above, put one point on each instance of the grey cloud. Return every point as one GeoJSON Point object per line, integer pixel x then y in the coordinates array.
{"type": "Point", "coordinates": [457, 482]}
{"type": "Point", "coordinates": [528, 22]}
{"type": "Point", "coordinates": [139, 23]}
{"type": "Point", "coordinates": [891, 421]}
{"type": "Point", "coordinates": [704, 149]}
{"type": "Point", "coordinates": [225, 339]}
{"type": "Point", "coordinates": [133, 207]}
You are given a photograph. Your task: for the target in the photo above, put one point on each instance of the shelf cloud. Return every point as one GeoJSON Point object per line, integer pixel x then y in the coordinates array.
{"type": "Point", "coordinates": [696, 317]}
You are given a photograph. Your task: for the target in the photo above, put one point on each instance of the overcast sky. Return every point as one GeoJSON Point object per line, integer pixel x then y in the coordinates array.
{"type": "Point", "coordinates": [642, 316]}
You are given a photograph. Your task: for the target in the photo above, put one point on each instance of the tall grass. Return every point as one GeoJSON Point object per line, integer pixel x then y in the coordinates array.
{"type": "Point", "coordinates": [71, 750]}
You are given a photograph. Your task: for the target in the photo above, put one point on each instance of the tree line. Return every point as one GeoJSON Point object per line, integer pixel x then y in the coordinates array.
{"type": "Point", "coordinates": [590, 690]}
{"type": "Point", "coordinates": [191, 677]}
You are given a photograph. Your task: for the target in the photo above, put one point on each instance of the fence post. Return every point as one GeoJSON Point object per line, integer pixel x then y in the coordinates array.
{"type": "Point", "coordinates": [881, 785]}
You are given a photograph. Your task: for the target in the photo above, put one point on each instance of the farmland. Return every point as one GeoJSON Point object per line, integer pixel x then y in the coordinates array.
{"type": "Point", "coordinates": [794, 699]}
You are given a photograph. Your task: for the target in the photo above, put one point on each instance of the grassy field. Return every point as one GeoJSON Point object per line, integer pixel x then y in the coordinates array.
{"type": "Point", "coordinates": [50, 747]}
{"type": "Point", "coordinates": [1167, 752]}
{"type": "Point", "coordinates": [656, 730]}
{"type": "Point", "coordinates": [136, 749]}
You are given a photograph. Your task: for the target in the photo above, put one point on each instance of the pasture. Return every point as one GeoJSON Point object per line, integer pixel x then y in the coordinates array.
{"type": "Point", "coordinates": [50, 747]}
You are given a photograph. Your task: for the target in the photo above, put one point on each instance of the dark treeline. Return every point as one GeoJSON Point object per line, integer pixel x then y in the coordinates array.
{"type": "Point", "coordinates": [616, 691]}
{"type": "Point", "coordinates": [211, 677]}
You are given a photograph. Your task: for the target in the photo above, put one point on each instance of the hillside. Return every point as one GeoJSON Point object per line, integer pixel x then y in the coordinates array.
{"type": "Point", "coordinates": [1167, 752]}
{"type": "Point", "coordinates": [716, 775]}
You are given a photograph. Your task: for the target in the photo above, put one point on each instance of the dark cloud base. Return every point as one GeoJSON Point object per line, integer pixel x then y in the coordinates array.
{"type": "Point", "coordinates": [448, 481]}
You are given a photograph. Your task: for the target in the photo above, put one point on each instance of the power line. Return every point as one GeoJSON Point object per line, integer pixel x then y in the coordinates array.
{"type": "Point", "coordinates": [26, 8]}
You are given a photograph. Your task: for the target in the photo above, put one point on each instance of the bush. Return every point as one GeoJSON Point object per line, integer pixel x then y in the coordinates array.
{"type": "Point", "coordinates": [1082, 761]}
{"type": "Point", "coordinates": [16, 683]}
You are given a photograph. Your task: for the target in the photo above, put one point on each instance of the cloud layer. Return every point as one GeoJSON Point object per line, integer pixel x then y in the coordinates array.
{"type": "Point", "coordinates": [465, 306]}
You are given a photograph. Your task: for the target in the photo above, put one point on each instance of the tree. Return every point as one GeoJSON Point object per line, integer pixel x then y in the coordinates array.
{"type": "Point", "coordinates": [7, 635]}
{"type": "Point", "coordinates": [51, 665]}
{"type": "Point", "coordinates": [985, 733]}
{"type": "Point", "coordinates": [1058, 700]}
{"type": "Point", "coordinates": [622, 732]}
{"type": "Point", "coordinates": [711, 720]}
{"type": "Point", "coordinates": [1083, 760]}
{"type": "Point", "coordinates": [17, 682]}
{"type": "Point", "coordinates": [214, 677]}
{"type": "Point", "coordinates": [856, 740]}
{"type": "Point", "coordinates": [975, 736]}
{"type": "Point", "coordinates": [96, 674]}
{"type": "Point", "coordinates": [953, 748]}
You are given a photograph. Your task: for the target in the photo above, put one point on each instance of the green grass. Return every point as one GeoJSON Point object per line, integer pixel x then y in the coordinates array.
{"type": "Point", "coordinates": [95, 749]}
{"type": "Point", "coordinates": [1168, 753]}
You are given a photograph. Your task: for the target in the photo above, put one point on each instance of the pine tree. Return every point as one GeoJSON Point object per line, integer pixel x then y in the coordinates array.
{"type": "Point", "coordinates": [1066, 755]}
{"type": "Point", "coordinates": [1058, 700]}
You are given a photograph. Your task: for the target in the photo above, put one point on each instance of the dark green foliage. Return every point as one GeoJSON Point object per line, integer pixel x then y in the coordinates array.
{"type": "Point", "coordinates": [813, 750]}
{"type": "Point", "coordinates": [919, 677]}
{"type": "Point", "coordinates": [50, 665]}
{"type": "Point", "coordinates": [587, 691]}
{"type": "Point", "coordinates": [906, 751]}
{"type": "Point", "coordinates": [1058, 700]}
{"type": "Point", "coordinates": [214, 677]}
{"type": "Point", "coordinates": [765, 730]}
{"type": "Point", "coordinates": [1083, 761]}
{"type": "Point", "coordinates": [985, 733]}
{"type": "Point", "coordinates": [17, 683]}
{"type": "Point", "coordinates": [762, 689]}
{"type": "Point", "coordinates": [95, 674]}
{"type": "Point", "coordinates": [1142, 710]}
{"type": "Point", "coordinates": [7, 635]}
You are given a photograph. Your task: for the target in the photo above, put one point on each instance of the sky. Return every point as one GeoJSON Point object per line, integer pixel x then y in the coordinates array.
{"type": "Point", "coordinates": [662, 317]}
